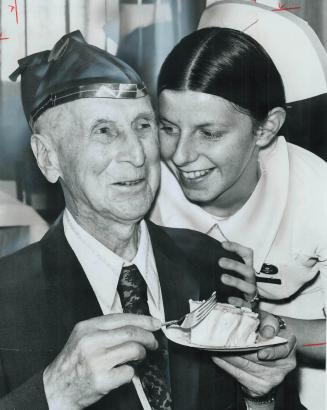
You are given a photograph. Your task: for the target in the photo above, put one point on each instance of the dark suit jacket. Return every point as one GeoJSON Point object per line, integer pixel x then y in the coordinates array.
{"type": "Point", "coordinates": [44, 293]}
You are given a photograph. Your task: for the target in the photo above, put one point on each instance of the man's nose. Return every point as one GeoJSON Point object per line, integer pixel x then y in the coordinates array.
{"type": "Point", "coordinates": [133, 151]}
{"type": "Point", "coordinates": [185, 151]}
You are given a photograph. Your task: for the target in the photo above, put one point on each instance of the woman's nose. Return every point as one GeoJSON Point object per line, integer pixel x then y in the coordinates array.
{"type": "Point", "coordinates": [184, 152]}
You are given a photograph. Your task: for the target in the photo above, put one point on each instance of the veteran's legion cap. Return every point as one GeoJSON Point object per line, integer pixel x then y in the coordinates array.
{"type": "Point", "coordinates": [73, 69]}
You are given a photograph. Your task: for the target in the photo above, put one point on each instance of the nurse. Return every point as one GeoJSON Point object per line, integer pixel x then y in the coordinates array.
{"type": "Point", "coordinates": [229, 174]}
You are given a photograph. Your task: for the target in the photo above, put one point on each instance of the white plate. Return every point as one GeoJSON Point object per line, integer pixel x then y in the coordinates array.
{"type": "Point", "coordinates": [182, 337]}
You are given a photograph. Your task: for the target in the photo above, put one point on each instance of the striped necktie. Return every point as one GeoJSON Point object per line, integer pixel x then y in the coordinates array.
{"type": "Point", "coordinates": [153, 372]}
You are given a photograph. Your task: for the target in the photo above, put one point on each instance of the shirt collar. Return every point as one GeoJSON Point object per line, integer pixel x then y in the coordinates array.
{"type": "Point", "coordinates": [144, 260]}
{"type": "Point", "coordinates": [103, 267]}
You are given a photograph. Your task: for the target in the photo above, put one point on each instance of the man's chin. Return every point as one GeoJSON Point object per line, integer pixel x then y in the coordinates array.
{"type": "Point", "coordinates": [132, 213]}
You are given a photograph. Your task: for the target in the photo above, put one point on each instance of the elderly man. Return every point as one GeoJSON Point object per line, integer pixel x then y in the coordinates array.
{"type": "Point", "coordinates": [65, 343]}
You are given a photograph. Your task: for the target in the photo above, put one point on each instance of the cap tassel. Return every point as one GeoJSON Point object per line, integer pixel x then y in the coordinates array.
{"type": "Point", "coordinates": [13, 76]}
{"type": "Point", "coordinates": [33, 59]}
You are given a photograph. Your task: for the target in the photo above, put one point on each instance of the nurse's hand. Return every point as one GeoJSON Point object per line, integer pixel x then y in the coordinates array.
{"type": "Point", "coordinates": [256, 376]}
{"type": "Point", "coordinates": [261, 371]}
{"type": "Point", "coordinates": [246, 284]}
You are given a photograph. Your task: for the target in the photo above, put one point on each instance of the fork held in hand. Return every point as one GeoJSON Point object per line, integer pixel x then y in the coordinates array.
{"type": "Point", "coordinates": [193, 318]}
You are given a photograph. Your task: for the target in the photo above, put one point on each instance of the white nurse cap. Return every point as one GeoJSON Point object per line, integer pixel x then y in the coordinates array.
{"type": "Point", "coordinates": [291, 43]}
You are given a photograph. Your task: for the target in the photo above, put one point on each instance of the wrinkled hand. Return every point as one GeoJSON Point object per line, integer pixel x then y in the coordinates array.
{"type": "Point", "coordinates": [93, 361]}
{"type": "Point", "coordinates": [247, 285]}
{"type": "Point", "coordinates": [260, 372]}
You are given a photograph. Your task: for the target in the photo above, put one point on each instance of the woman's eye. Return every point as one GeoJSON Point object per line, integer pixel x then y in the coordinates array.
{"type": "Point", "coordinates": [168, 130]}
{"type": "Point", "coordinates": [211, 135]}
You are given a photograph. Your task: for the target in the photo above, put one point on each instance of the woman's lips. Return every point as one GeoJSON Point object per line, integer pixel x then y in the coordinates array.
{"type": "Point", "coordinates": [195, 175]}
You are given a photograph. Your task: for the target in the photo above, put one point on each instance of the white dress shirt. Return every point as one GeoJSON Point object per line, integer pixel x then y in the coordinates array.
{"type": "Point", "coordinates": [284, 221]}
{"type": "Point", "coordinates": [103, 267]}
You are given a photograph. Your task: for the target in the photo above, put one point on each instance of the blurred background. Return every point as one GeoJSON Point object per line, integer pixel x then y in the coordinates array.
{"type": "Point", "coordinates": [141, 33]}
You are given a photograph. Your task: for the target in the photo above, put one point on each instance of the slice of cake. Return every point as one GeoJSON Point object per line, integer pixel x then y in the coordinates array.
{"type": "Point", "coordinates": [226, 325]}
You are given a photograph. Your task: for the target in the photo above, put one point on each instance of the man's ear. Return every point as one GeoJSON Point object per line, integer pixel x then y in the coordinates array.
{"type": "Point", "coordinates": [268, 130]}
{"type": "Point", "coordinates": [46, 156]}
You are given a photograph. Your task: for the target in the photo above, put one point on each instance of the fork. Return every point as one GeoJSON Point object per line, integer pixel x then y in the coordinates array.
{"type": "Point", "coordinates": [196, 316]}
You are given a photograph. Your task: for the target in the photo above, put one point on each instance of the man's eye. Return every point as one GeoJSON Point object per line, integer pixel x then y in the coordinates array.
{"type": "Point", "coordinates": [211, 135]}
{"type": "Point", "coordinates": [142, 124]}
{"type": "Point", "coordinates": [105, 134]}
{"type": "Point", "coordinates": [102, 130]}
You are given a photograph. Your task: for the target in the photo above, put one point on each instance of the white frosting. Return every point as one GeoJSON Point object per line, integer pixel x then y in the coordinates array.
{"type": "Point", "coordinates": [226, 325]}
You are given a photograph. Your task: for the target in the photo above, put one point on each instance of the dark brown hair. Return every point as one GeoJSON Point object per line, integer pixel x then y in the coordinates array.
{"type": "Point", "coordinates": [227, 63]}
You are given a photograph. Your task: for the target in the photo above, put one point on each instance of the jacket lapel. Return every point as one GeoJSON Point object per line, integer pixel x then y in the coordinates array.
{"type": "Point", "coordinates": [72, 297]}
{"type": "Point", "coordinates": [178, 285]}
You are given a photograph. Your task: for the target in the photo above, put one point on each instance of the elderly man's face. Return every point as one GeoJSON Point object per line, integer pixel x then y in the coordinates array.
{"type": "Point", "coordinates": [109, 157]}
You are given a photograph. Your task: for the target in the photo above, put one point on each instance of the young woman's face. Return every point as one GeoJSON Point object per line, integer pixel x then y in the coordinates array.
{"type": "Point", "coordinates": [210, 147]}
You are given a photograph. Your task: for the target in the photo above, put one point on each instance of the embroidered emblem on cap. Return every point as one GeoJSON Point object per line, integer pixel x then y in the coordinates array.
{"type": "Point", "coordinates": [120, 91]}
